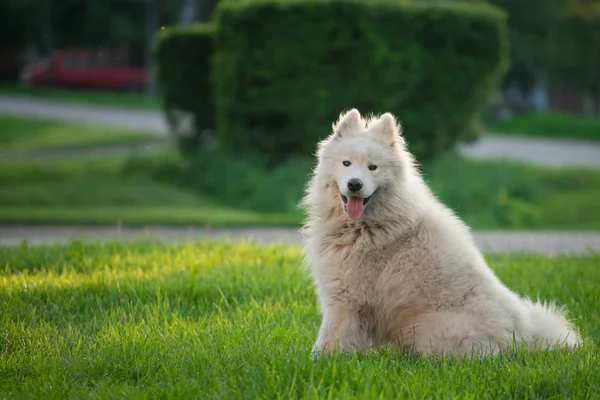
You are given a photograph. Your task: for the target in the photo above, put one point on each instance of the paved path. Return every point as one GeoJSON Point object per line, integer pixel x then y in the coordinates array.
{"type": "Point", "coordinates": [137, 120]}
{"type": "Point", "coordinates": [550, 243]}
{"type": "Point", "coordinates": [546, 152]}
{"type": "Point", "coordinates": [555, 153]}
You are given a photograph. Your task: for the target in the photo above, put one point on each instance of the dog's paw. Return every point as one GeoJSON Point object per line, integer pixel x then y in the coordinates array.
{"type": "Point", "coordinates": [316, 354]}
{"type": "Point", "coordinates": [323, 347]}
{"type": "Point", "coordinates": [337, 346]}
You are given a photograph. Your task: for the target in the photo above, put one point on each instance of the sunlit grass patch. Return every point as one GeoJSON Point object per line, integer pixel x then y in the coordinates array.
{"type": "Point", "coordinates": [218, 320]}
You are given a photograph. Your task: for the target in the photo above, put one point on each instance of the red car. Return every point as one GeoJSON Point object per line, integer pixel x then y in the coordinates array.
{"type": "Point", "coordinates": [85, 69]}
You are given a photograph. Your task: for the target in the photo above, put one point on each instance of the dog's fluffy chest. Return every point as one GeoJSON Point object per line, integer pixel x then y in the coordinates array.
{"type": "Point", "coordinates": [381, 272]}
{"type": "Point", "coordinates": [351, 275]}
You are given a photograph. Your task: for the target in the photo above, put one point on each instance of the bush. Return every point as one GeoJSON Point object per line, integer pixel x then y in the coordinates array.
{"type": "Point", "coordinates": [283, 71]}
{"type": "Point", "coordinates": [488, 194]}
{"type": "Point", "coordinates": [484, 194]}
{"type": "Point", "coordinates": [242, 182]}
{"type": "Point", "coordinates": [183, 60]}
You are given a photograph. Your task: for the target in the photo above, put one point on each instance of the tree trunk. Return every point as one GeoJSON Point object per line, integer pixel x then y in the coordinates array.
{"type": "Point", "coordinates": [153, 24]}
{"type": "Point", "coordinates": [47, 28]}
{"type": "Point", "coordinates": [597, 102]}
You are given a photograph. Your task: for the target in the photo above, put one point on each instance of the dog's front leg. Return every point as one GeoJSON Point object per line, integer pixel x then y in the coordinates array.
{"type": "Point", "coordinates": [340, 330]}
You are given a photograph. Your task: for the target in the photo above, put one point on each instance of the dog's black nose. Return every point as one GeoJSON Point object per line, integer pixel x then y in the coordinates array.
{"type": "Point", "coordinates": [354, 185]}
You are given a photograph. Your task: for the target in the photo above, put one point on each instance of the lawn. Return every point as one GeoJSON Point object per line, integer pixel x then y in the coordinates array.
{"type": "Point", "coordinates": [216, 320]}
{"type": "Point", "coordinates": [551, 125]}
{"type": "Point", "coordinates": [95, 98]}
{"type": "Point", "coordinates": [96, 192]}
{"type": "Point", "coordinates": [19, 134]}
{"type": "Point", "coordinates": [159, 189]}
{"type": "Point", "coordinates": [504, 195]}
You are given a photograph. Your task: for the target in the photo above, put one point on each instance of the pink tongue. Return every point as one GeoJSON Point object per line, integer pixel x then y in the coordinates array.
{"type": "Point", "coordinates": [354, 207]}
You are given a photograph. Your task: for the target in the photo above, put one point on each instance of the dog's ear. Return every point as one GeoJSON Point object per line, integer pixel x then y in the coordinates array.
{"type": "Point", "coordinates": [347, 123]}
{"type": "Point", "coordinates": [388, 128]}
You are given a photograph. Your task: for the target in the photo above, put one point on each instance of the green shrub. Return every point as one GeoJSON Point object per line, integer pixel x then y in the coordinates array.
{"type": "Point", "coordinates": [283, 71]}
{"type": "Point", "coordinates": [183, 60]}
{"type": "Point", "coordinates": [242, 182]}
{"type": "Point", "coordinates": [486, 195]}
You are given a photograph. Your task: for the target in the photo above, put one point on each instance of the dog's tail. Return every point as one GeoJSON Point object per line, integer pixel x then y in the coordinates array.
{"type": "Point", "coordinates": [550, 327]}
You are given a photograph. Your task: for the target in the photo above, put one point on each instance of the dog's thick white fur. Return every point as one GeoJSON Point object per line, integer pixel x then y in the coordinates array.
{"type": "Point", "coordinates": [402, 270]}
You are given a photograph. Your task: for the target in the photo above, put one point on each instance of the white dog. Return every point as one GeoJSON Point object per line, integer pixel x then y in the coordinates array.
{"type": "Point", "coordinates": [395, 267]}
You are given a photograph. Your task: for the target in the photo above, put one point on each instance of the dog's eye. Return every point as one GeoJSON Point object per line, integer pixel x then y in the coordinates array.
{"type": "Point", "coordinates": [347, 163]}
{"type": "Point", "coordinates": [372, 167]}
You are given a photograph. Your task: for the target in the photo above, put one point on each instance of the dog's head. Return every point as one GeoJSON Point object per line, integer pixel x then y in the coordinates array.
{"type": "Point", "coordinates": [361, 159]}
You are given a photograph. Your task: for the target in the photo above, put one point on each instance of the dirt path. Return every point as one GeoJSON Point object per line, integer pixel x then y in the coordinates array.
{"type": "Point", "coordinates": [542, 242]}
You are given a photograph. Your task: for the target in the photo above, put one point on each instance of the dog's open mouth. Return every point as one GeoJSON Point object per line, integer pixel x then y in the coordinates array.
{"type": "Point", "coordinates": [364, 200]}
{"type": "Point", "coordinates": [354, 205]}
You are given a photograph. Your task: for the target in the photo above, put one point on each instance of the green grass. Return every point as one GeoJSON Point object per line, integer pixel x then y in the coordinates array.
{"type": "Point", "coordinates": [94, 98]}
{"type": "Point", "coordinates": [216, 320]}
{"type": "Point", "coordinates": [19, 134]}
{"type": "Point", "coordinates": [96, 192]}
{"type": "Point", "coordinates": [502, 195]}
{"type": "Point", "coordinates": [202, 215]}
{"type": "Point", "coordinates": [487, 195]}
{"type": "Point", "coordinates": [551, 125]}
{"type": "Point", "coordinates": [159, 189]}
{"type": "Point", "coordinates": [574, 202]}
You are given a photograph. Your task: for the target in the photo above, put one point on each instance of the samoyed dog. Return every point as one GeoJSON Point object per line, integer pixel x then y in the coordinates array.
{"type": "Point", "coordinates": [396, 268]}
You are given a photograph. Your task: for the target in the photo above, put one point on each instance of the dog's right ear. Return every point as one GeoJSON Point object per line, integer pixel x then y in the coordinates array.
{"type": "Point", "coordinates": [348, 122]}
{"type": "Point", "coordinates": [388, 129]}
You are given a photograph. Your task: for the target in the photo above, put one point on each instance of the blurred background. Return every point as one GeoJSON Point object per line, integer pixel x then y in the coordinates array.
{"type": "Point", "coordinates": [206, 112]}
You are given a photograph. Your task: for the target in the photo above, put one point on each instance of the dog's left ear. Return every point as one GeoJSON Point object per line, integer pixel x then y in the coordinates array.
{"type": "Point", "coordinates": [350, 122]}
{"type": "Point", "coordinates": [388, 128]}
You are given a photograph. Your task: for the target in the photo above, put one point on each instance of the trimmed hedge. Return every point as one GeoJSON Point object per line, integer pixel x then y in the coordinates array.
{"type": "Point", "coordinates": [283, 71]}
{"type": "Point", "coordinates": [184, 77]}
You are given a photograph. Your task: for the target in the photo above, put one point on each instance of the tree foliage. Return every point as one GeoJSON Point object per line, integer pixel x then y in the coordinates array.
{"type": "Point", "coordinates": [532, 31]}
{"type": "Point", "coordinates": [577, 63]}
{"type": "Point", "coordinates": [560, 38]}
{"type": "Point", "coordinates": [17, 25]}
{"type": "Point", "coordinates": [99, 24]}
